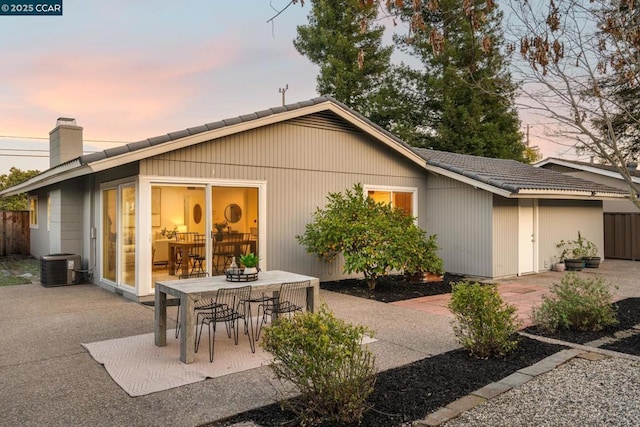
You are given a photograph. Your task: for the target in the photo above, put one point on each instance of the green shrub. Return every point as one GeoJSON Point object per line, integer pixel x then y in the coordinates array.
{"type": "Point", "coordinates": [484, 325]}
{"type": "Point", "coordinates": [322, 359]}
{"type": "Point", "coordinates": [576, 303]}
{"type": "Point", "coordinates": [374, 237]}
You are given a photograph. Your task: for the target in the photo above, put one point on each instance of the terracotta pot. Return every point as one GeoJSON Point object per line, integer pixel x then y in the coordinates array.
{"type": "Point", "coordinates": [559, 266]}
{"type": "Point", "coordinates": [425, 277]}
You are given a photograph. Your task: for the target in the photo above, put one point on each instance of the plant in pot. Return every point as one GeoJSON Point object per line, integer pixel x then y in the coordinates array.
{"type": "Point", "coordinates": [219, 226]}
{"type": "Point", "coordinates": [591, 258]}
{"type": "Point", "coordinates": [574, 252]}
{"type": "Point", "coordinates": [558, 265]}
{"type": "Point", "coordinates": [424, 265]}
{"type": "Point", "coordinates": [250, 263]}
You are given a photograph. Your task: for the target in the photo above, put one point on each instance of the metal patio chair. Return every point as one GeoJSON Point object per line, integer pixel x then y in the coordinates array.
{"type": "Point", "coordinates": [291, 298]}
{"type": "Point", "coordinates": [230, 305]}
{"type": "Point", "coordinates": [203, 304]}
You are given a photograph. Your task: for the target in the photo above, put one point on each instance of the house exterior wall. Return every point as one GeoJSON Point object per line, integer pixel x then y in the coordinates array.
{"type": "Point", "coordinates": [562, 220]}
{"type": "Point", "coordinates": [301, 161]}
{"type": "Point", "coordinates": [505, 236]}
{"type": "Point", "coordinates": [65, 230]}
{"type": "Point", "coordinates": [617, 206]}
{"type": "Point", "coordinates": [462, 217]}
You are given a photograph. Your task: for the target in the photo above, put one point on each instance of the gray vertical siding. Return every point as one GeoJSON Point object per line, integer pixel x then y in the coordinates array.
{"type": "Point", "coordinates": [505, 236]}
{"type": "Point", "coordinates": [301, 162]}
{"type": "Point", "coordinates": [461, 216]}
{"type": "Point", "coordinates": [562, 219]}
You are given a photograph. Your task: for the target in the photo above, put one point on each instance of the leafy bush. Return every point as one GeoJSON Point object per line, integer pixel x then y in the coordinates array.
{"type": "Point", "coordinates": [576, 303]}
{"type": "Point", "coordinates": [322, 358]}
{"type": "Point", "coordinates": [485, 325]}
{"type": "Point", "coordinates": [374, 238]}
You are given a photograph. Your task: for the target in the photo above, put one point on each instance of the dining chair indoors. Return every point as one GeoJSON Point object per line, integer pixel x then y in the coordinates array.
{"type": "Point", "coordinates": [196, 254]}
{"type": "Point", "coordinates": [230, 306]}
{"type": "Point", "coordinates": [291, 298]}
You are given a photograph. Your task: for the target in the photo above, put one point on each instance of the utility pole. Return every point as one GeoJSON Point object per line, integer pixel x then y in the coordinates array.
{"type": "Point", "coordinates": [283, 90]}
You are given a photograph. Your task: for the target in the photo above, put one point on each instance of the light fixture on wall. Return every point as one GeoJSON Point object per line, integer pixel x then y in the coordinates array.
{"type": "Point", "coordinates": [182, 228]}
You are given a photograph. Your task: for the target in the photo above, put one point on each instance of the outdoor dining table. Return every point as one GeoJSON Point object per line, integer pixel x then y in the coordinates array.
{"type": "Point", "coordinates": [191, 290]}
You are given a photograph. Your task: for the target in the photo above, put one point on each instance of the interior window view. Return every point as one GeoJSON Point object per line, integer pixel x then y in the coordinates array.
{"type": "Point", "coordinates": [398, 199]}
{"type": "Point", "coordinates": [182, 244]}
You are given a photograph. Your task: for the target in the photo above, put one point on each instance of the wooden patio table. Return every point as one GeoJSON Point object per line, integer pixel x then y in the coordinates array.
{"type": "Point", "coordinates": [191, 290]}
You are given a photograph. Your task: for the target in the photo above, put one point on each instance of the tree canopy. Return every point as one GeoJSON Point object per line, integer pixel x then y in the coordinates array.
{"type": "Point", "coordinates": [15, 176]}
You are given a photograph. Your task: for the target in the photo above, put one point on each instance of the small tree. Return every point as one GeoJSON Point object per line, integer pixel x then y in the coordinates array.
{"type": "Point", "coordinates": [15, 176]}
{"type": "Point", "coordinates": [374, 237]}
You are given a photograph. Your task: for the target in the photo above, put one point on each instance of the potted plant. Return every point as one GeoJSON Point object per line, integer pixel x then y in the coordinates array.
{"type": "Point", "coordinates": [574, 252]}
{"type": "Point", "coordinates": [169, 234]}
{"type": "Point", "coordinates": [250, 263]}
{"type": "Point", "coordinates": [591, 258]}
{"type": "Point", "coordinates": [219, 226]}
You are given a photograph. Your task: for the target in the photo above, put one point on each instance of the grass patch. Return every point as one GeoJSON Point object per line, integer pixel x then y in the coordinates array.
{"type": "Point", "coordinates": [13, 267]}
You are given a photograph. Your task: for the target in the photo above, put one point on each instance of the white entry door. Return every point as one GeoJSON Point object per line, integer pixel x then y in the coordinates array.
{"type": "Point", "coordinates": [526, 236]}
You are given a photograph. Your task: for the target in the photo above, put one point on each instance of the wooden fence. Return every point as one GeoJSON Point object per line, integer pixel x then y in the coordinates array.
{"type": "Point", "coordinates": [622, 236]}
{"type": "Point", "coordinates": [14, 233]}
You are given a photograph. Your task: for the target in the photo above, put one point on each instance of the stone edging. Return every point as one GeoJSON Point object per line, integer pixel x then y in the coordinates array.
{"type": "Point", "coordinates": [590, 351]}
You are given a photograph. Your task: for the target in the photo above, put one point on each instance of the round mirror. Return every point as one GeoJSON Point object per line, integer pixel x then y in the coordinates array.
{"type": "Point", "coordinates": [197, 213]}
{"type": "Point", "coordinates": [233, 213]}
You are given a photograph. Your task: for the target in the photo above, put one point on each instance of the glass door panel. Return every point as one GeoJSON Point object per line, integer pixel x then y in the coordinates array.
{"type": "Point", "coordinates": [109, 234]}
{"type": "Point", "coordinates": [128, 236]}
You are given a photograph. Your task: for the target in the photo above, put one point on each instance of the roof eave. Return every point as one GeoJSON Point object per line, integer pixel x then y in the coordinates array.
{"type": "Point", "coordinates": [584, 168]}
{"type": "Point", "coordinates": [68, 170]}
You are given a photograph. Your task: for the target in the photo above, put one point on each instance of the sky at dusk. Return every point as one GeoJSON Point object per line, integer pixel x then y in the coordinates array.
{"type": "Point", "coordinates": [134, 69]}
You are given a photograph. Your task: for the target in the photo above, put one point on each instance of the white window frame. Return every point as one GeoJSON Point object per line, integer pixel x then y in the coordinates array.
{"type": "Point", "coordinates": [33, 211]}
{"type": "Point", "coordinates": [394, 189]}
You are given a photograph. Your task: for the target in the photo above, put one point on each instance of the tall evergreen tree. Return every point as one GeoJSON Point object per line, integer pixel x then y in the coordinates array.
{"type": "Point", "coordinates": [352, 60]}
{"type": "Point", "coordinates": [469, 89]}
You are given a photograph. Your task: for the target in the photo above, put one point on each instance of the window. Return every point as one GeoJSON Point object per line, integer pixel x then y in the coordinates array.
{"type": "Point", "coordinates": [402, 198]}
{"type": "Point", "coordinates": [48, 211]}
{"type": "Point", "coordinates": [33, 211]}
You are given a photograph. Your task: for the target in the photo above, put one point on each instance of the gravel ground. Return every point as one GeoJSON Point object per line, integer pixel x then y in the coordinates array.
{"type": "Point", "coordinates": [611, 387]}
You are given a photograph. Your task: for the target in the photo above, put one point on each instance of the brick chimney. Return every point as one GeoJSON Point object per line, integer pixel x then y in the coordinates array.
{"type": "Point", "coordinates": [65, 142]}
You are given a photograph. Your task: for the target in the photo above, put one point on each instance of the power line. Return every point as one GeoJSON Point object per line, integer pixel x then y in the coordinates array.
{"type": "Point", "coordinates": [46, 138]}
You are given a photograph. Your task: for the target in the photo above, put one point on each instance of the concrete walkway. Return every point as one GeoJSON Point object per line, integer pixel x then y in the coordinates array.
{"type": "Point", "coordinates": [47, 378]}
{"type": "Point", "coordinates": [525, 292]}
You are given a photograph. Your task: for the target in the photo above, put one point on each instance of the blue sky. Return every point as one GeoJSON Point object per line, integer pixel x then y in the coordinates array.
{"type": "Point", "coordinates": [129, 70]}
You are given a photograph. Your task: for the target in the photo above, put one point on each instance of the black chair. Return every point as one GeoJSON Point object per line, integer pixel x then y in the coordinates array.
{"type": "Point", "coordinates": [179, 256]}
{"type": "Point", "coordinates": [203, 304]}
{"type": "Point", "coordinates": [230, 305]}
{"type": "Point", "coordinates": [196, 254]}
{"type": "Point", "coordinates": [291, 298]}
{"type": "Point", "coordinates": [231, 245]}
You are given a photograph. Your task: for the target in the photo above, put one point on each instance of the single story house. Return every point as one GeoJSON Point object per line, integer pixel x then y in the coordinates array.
{"type": "Point", "coordinates": [621, 217]}
{"type": "Point", "coordinates": [265, 173]}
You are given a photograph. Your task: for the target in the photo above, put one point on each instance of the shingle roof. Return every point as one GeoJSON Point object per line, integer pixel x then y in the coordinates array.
{"type": "Point", "coordinates": [608, 168]}
{"type": "Point", "coordinates": [510, 175]}
{"type": "Point", "coordinates": [172, 136]}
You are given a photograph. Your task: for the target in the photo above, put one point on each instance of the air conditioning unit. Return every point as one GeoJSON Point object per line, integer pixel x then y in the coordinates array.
{"type": "Point", "coordinates": [59, 270]}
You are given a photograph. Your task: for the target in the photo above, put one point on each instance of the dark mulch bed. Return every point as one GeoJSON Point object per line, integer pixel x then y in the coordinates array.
{"type": "Point", "coordinates": [630, 345]}
{"type": "Point", "coordinates": [413, 391]}
{"type": "Point", "coordinates": [391, 288]}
